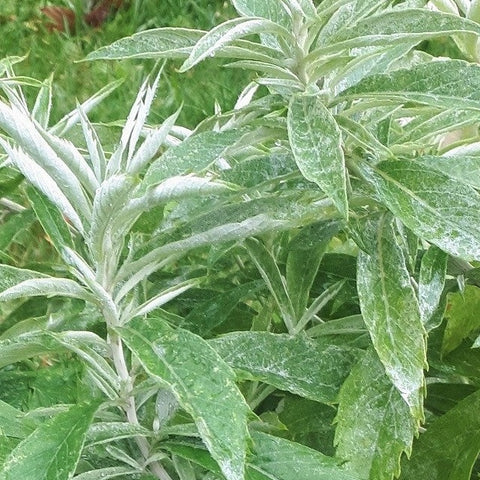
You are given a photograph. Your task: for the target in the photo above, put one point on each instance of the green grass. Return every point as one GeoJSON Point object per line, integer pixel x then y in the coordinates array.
{"type": "Point", "coordinates": [24, 32]}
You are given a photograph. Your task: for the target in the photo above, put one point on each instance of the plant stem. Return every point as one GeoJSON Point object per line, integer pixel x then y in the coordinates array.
{"type": "Point", "coordinates": [129, 407]}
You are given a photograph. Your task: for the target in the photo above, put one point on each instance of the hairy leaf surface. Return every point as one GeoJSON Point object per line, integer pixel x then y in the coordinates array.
{"type": "Point", "coordinates": [316, 140]}
{"type": "Point", "coordinates": [53, 450]}
{"type": "Point", "coordinates": [390, 311]}
{"type": "Point", "coordinates": [203, 384]}
{"type": "Point", "coordinates": [374, 424]}
{"type": "Point", "coordinates": [311, 368]}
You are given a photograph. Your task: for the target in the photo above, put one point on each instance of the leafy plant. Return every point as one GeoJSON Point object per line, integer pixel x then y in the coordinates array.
{"type": "Point", "coordinates": [287, 291]}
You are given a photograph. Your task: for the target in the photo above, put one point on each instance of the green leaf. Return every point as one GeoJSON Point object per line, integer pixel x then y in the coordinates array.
{"type": "Point", "coordinates": [462, 168]}
{"type": "Point", "coordinates": [106, 473]}
{"type": "Point", "coordinates": [51, 220]}
{"type": "Point", "coordinates": [315, 139]}
{"type": "Point", "coordinates": [43, 103]}
{"type": "Point", "coordinates": [305, 253]}
{"type": "Point", "coordinates": [194, 154]}
{"type": "Point", "coordinates": [434, 206]}
{"type": "Point", "coordinates": [11, 276]}
{"type": "Point", "coordinates": [155, 43]}
{"type": "Point", "coordinates": [273, 278]}
{"type": "Point", "coordinates": [270, 9]}
{"type": "Point", "coordinates": [391, 313]}
{"type": "Point", "coordinates": [443, 83]}
{"type": "Point", "coordinates": [26, 346]}
{"type": "Point", "coordinates": [311, 368]}
{"type": "Point", "coordinates": [431, 282]}
{"type": "Point", "coordinates": [279, 459]}
{"type": "Point", "coordinates": [226, 33]}
{"type": "Point", "coordinates": [203, 384]}
{"type": "Point", "coordinates": [462, 317]}
{"type": "Point", "coordinates": [47, 287]}
{"type": "Point", "coordinates": [207, 315]}
{"type": "Point", "coordinates": [105, 432]}
{"type": "Point", "coordinates": [374, 424]}
{"type": "Point", "coordinates": [13, 423]}
{"type": "Point", "coordinates": [449, 447]}
{"type": "Point", "coordinates": [14, 225]}
{"type": "Point", "coordinates": [391, 27]}
{"type": "Point", "coordinates": [53, 450]}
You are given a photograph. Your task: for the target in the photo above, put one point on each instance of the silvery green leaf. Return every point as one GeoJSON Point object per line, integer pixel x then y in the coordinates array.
{"type": "Point", "coordinates": [280, 459]}
{"type": "Point", "coordinates": [465, 169]}
{"type": "Point", "coordinates": [267, 68]}
{"type": "Point", "coordinates": [11, 276]}
{"type": "Point", "coordinates": [105, 432]}
{"type": "Point", "coordinates": [203, 384]}
{"type": "Point", "coordinates": [154, 43]}
{"type": "Point", "coordinates": [275, 281]}
{"type": "Point", "coordinates": [53, 450]}
{"type": "Point", "coordinates": [72, 118]}
{"type": "Point", "coordinates": [366, 65]}
{"type": "Point", "coordinates": [110, 198]}
{"type": "Point", "coordinates": [234, 222]}
{"type": "Point", "coordinates": [172, 189]}
{"type": "Point", "coordinates": [315, 139]}
{"type": "Point", "coordinates": [390, 27]}
{"type": "Point", "coordinates": [51, 219]}
{"type": "Point", "coordinates": [374, 424]}
{"type": "Point", "coordinates": [434, 206]}
{"type": "Point", "coordinates": [161, 299]}
{"type": "Point", "coordinates": [305, 253]}
{"type": "Point", "coordinates": [43, 103]}
{"type": "Point", "coordinates": [431, 283]}
{"type": "Point", "coordinates": [150, 146]}
{"type": "Point", "coordinates": [194, 154]}
{"type": "Point", "coordinates": [48, 287]}
{"type": "Point", "coordinates": [272, 10]}
{"type": "Point", "coordinates": [423, 128]}
{"type": "Point", "coordinates": [94, 148]}
{"type": "Point", "coordinates": [361, 136]}
{"type": "Point", "coordinates": [391, 313]}
{"type": "Point", "coordinates": [26, 136]}
{"type": "Point", "coordinates": [73, 159]}
{"type": "Point", "coordinates": [449, 447]}
{"type": "Point", "coordinates": [40, 179]}
{"type": "Point", "coordinates": [106, 473]}
{"type": "Point", "coordinates": [285, 362]}
{"type": "Point", "coordinates": [441, 83]}
{"type": "Point", "coordinates": [227, 32]}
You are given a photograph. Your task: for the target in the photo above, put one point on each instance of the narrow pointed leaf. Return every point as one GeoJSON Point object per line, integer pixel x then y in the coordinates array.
{"type": "Point", "coordinates": [279, 459]}
{"type": "Point", "coordinates": [106, 473]}
{"type": "Point", "coordinates": [433, 205]}
{"type": "Point", "coordinates": [449, 447]}
{"type": "Point", "coordinates": [47, 287]}
{"type": "Point", "coordinates": [13, 423]}
{"type": "Point", "coordinates": [443, 83]}
{"type": "Point", "coordinates": [374, 424]}
{"type": "Point", "coordinates": [315, 139]}
{"type": "Point", "coordinates": [305, 254]}
{"type": "Point", "coordinates": [430, 286]}
{"type": "Point", "coordinates": [41, 180]}
{"type": "Point", "coordinates": [286, 361]}
{"type": "Point", "coordinates": [11, 276]}
{"type": "Point", "coordinates": [53, 450]}
{"type": "Point", "coordinates": [406, 24]}
{"type": "Point", "coordinates": [391, 313]}
{"type": "Point", "coordinates": [51, 220]}
{"type": "Point", "coordinates": [203, 384]}
{"type": "Point", "coordinates": [270, 9]}
{"type": "Point", "coordinates": [43, 103]}
{"type": "Point", "coordinates": [462, 317]}
{"type": "Point", "coordinates": [227, 32]}
{"type": "Point", "coordinates": [155, 43]}
{"type": "Point", "coordinates": [193, 155]}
